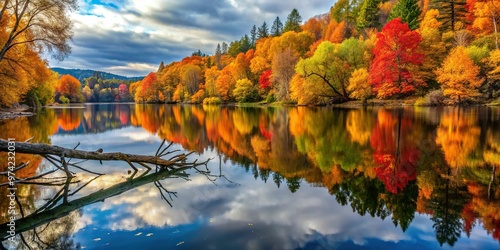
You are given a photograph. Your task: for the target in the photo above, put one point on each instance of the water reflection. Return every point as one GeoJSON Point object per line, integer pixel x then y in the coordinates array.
{"type": "Point", "coordinates": [69, 198]}
{"type": "Point", "coordinates": [417, 172]}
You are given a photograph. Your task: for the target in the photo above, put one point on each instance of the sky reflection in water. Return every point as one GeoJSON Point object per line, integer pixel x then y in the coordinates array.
{"type": "Point", "coordinates": [255, 214]}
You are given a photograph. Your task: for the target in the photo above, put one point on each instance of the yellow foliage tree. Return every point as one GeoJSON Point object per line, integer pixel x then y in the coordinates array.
{"type": "Point", "coordinates": [359, 124]}
{"type": "Point", "coordinates": [432, 46]}
{"type": "Point", "coordinates": [359, 85]}
{"type": "Point", "coordinates": [259, 64]}
{"type": "Point", "coordinates": [458, 135]}
{"type": "Point", "coordinates": [486, 13]}
{"type": "Point", "coordinates": [494, 64]}
{"type": "Point", "coordinates": [243, 90]}
{"type": "Point", "coordinates": [459, 76]}
{"type": "Point", "coordinates": [211, 76]}
{"type": "Point", "coordinates": [296, 89]}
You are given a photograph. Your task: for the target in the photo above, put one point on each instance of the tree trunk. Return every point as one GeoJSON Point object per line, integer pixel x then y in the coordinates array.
{"type": "Point", "coordinates": [44, 149]}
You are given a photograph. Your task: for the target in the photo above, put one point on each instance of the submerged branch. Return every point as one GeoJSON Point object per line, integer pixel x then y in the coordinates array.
{"type": "Point", "coordinates": [49, 152]}
{"type": "Point", "coordinates": [51, 211]}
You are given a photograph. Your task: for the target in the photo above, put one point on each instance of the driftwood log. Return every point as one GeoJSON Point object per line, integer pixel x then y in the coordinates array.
{"type": "Point", "coordinates": [59, 156]}
{"type": "Point", "coordinates": [45, 149]}
{"type": "Point", "coordinates": [166, 164]}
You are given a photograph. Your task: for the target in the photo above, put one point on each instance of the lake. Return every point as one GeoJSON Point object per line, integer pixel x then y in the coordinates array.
{"type": "Point", "coordinates": [279, 178]}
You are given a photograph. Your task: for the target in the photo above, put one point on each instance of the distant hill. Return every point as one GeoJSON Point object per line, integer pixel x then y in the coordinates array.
{"type": "Point", "coordinates": [81, 74]}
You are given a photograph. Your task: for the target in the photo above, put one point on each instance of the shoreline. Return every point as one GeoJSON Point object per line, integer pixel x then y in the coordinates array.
{"type": "Point", "coordinates": [6, 114]}
{"type": "Point", "coordinates": [17, 110]}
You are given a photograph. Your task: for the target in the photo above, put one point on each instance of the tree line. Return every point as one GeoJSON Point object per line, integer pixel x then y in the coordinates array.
{"type": "Point", "coordinates": [435, 52]}
{"type": "Point", "coordinates": [439, 52]}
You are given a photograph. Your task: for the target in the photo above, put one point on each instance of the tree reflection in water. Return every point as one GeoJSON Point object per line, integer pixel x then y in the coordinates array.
{"type": "Point", "coordinates": [388, 163]}
{"type": "Point", "coordinates": [50, 226]}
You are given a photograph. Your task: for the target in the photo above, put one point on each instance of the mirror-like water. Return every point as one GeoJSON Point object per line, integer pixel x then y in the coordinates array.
{"type": "Point", "coordinates": [280, 178]}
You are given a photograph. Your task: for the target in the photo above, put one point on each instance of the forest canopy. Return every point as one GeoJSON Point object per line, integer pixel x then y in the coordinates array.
{"type": "Point", "coordinates": [358, 51]}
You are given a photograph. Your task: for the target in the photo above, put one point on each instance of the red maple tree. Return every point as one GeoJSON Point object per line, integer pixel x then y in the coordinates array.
{"type": "Point", "coordinates": [265, 79]}
{"type": "Point", "coordinates": [395, 54]}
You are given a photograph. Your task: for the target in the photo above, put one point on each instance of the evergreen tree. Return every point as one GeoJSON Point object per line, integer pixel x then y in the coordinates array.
{"type": "Point", "coordinates": [218, 56]}
{"type": "Point", "coordinates": [161, 67]}
{"type": "Point", "coordinates": [245, 44]}
{"type": "Point", "coordinates": [197, 53]}
{"type": "Point", "coordinates": [409, 12]}
{"type": "Point", "coordinates": [293, 22]}
{"type": "Point", "coordinates": [225, 48]}
{"type": "Point", "coordinates": [368, 15]}
{"type": "Point", "coordinates": [450, 12]}
{"type": "Point", "coordinates": [346, 10]}
{"type": "Point", "coordinates": [263, 31]}
{"type": "Point", "coordinates": [277, 27]}
{"type": "Point", "coordinates": [218, 50]}
{"type": "Point", "coordinates": [208, 63]}
{"type": "Point", "coordinates": [234, 48]}
{"type": "Point", "coordinates": [253, 35]}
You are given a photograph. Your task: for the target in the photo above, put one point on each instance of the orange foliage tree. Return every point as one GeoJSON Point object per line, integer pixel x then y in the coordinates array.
{"type": "Point", "coordinates": [459, 76]}
{"type": "Point", "coordinates": [487, 13]}
{"type": "Point", "coordinates": [395, 53]}
{"type": "Point", "coordinates": [147, 90]}
{"type": "Point", "coordinates": [225, 84]}
{"type": "Point", "coordinates": [69, 88]}
{"type": "Point", "coordinates": [22, 70]}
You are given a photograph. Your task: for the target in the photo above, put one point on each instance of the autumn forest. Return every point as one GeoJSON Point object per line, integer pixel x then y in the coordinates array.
{"type": "Point", "coordinates": [429, 52]}
{"type": "Point", "coordinates": [439, 53]}
{"type": "Point", "coordinates": [376, 124]}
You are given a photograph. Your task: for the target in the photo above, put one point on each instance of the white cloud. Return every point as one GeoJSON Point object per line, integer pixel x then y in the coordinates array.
{"type": "Point", "coordinates": [136, 35]}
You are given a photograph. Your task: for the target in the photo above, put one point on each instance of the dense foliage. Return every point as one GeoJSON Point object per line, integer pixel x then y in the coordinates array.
{"type": "Point", "coordinates": [360, 50]}
{"type": "Point", "coordinates": [405, 48]}
{"type": "Point", "coordinates": [27, 28]}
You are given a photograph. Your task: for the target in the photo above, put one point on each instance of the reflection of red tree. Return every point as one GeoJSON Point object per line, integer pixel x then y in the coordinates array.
{"type": "Point", "coordinates": [124, 118]}
{"type": "Point", "coordinates": [469, 217]}
{"type": "Point", "coordinates": [396, 173]}
{"type": "Point", "coordinates": [394, 154]}
{"type": "Point", "coordinates": [123, 113]}
{"type": "Point", "coordinates": [266, 133]}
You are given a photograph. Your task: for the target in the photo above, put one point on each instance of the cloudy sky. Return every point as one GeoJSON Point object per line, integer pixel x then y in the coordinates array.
{"type": "Point", "coordinates": [132, 37]}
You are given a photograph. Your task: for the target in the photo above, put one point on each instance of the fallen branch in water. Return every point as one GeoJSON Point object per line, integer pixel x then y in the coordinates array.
{"type": "Point", "coordinates": [60, 205]}
{"type": "Point", "coordinates": [58, 157]}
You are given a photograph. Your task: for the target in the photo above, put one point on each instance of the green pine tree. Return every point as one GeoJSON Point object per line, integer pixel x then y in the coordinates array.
{"type": "Point", "coordinates": [409, 12]}
{"type": "Point", "coordinates": [451, 12]}
{"type": "Point", "coordinates": [263, 31]}
{"type": "Point", "coordinates": [368, 15]}
{"type": "Point", "coordinates": [293, 22]}
{"type": "Point", "coordinates": [277, 27]}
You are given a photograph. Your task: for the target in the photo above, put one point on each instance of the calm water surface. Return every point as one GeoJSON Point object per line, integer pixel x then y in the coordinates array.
{"type": "Point", "coordinates": [280, 178]}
